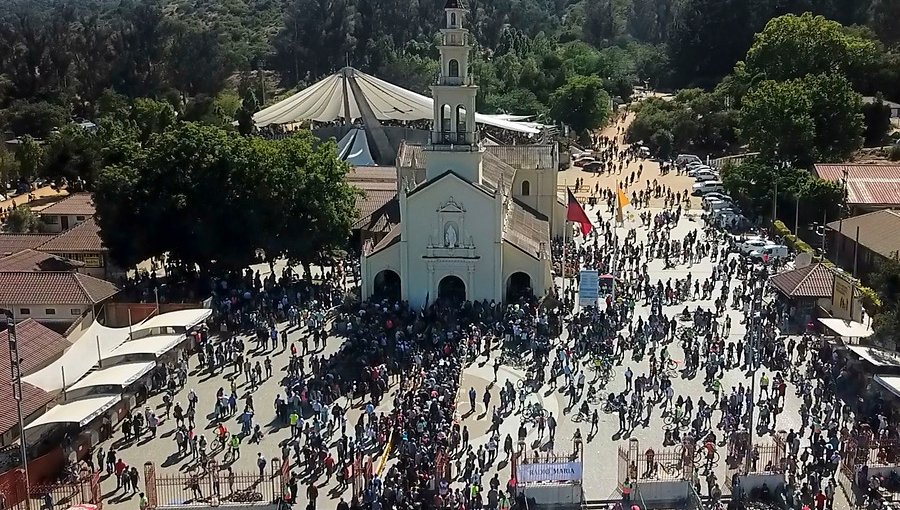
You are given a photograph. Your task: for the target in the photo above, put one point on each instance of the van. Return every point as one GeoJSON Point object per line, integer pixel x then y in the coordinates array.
{"type": "Point", "coordinates": [702, 188]}
{"type": "Point", "coordinates": [684, 159]}
{"type": "Point", "coordinates": [715, 205]}
{"type": "Point", "coordinates": [770, 252]}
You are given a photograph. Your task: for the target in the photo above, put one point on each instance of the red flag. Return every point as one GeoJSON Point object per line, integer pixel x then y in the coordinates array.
{"type": "Point", "coordinates": [576, 213]}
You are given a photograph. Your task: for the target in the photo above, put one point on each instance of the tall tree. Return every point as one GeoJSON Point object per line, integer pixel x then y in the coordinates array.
{"type": "Point", "coordinates": [794, 46]}
{"type": "Point", "coordinates": [581, 103]}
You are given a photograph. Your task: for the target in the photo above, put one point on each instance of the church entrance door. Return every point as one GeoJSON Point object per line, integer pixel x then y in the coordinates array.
{"type": "Point", "coordinates": [387, 285]}
{"type": "Point", "coordinates": [518, 286]}
{"type": "Point", "coordinates": [452, 290]}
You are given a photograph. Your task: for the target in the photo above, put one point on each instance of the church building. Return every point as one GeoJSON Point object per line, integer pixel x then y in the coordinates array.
{"type": "Point", "coordinates": [475, 219]}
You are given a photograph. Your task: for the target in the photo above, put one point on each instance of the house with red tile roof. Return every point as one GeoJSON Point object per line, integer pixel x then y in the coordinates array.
{"type": "Point", "coordinates": [83, 244]}
{"type": "Point", "coordinates": [38, 347]}
{"type": "Point", "coordinates": [53, 298]}
{"type": "Point", "coordinates": [68, 212]}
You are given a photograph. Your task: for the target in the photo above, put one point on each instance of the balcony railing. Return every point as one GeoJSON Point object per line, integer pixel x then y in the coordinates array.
{"type": "Point", "coordinates": [458, 138]}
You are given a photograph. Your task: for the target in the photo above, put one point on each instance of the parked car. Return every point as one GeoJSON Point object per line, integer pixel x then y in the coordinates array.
{"type": "Point", "coordinates": [593, 166]}
{"type": "Point", "coordinates": [753, 244]}
{"type": "Point", "coordinates": [684, 159]}
{"type": "Point", "coordinates": [699, 168]}
{"type": "Point", "coordinates": [583, 160]}
{"type": "Point", "coordinates": [770, 252]}
{"type": "Point", "coordinates": [702, 188]}
{"type": "Point", "coordinates": [706, 175]}
{"type": "Point", "coordinates": [717, 196]}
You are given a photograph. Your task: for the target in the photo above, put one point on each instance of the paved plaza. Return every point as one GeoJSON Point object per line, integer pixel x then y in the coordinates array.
{"type": "Point", "coordinates": [600, 460]}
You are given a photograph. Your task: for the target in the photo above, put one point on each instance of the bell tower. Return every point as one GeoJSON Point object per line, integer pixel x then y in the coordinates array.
{"type": "Point", "coordinates": [455, 144]}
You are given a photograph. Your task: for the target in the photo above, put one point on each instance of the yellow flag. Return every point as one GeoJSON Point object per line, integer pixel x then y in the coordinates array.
{"type": "Point", "coordinates": [621, 202]}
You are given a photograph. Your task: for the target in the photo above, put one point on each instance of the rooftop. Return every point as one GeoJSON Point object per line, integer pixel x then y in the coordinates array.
{"type": "Point", "coordinates": [53, 288]}
{"type": "Point", "coordinates": [527, 230]}
{"type": "Point", "coordinates": [812, 281]}
{"type": "Point", "coordinates": [38, 346]}
{"type": "Point", "coordinates": [867, 184]}
{"type": "Point", "coordinates": [84, 237]}
{"type": "Point", "coordinates": [76, 204]}
{"type": "Point", "coordinates": [12, 243]}
{"type": "Point", "coordinates": [879, 231]}
{"type": "Point", "coordinates": [31, 260]}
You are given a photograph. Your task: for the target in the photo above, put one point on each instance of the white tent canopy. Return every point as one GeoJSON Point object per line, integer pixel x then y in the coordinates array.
{"type": "Point", "coordinates": [155, 345]}
{"type": "Point", "coordinates": [890, 383]}
{"type": "Point", "coordinates": [81, 412]}
{"type": "Point", "coordinates": [186, 319]}
{"type": "Point", "coordinates": [354, 148]}
{"type": "Point", "coordinates": [98, 342]}
{"type": "Point", "coordinates": [877, 357]}
{"type": "Point", "coordinates": [324, 101]}
{"type": "Point", "coordinates": [94, 344]}
{"type": "Point", "coordinates": [850, 329]}
{"type": "Point", "coordinates": [116, 375]}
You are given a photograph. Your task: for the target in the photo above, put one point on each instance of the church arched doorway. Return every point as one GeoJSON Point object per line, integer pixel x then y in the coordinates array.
{"type": "Point", "coordinates": [386, 285]}
{"type": "Point", "coordinates": [451, 290]}
{"type": "Point", "coordinates": [518, 286]}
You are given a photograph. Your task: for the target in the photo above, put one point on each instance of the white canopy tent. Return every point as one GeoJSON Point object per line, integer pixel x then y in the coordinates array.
{"type": "Point", "coordinates": [890, 383]}
{"type": "Point", "coordinates": [93, 345]}
{"type": "Point", "coordinates": [877, 357]}
{"type": "Point", "coordinates": [354, 148]}
{"type": "Point", "coordinates": [185, 319]}
{"type": "Point", "coordinates": [155, 345]}
{"type": "Point", "coordinates": [850, 329]}
{"type": "Point", "coordinates": [81, 412]}
{"type": "Point", "coordinates": [116, 375]}
{"type": "Point", "coordinates": [327, 100]}
{"type": "Point", "coordinates": [98, 343]}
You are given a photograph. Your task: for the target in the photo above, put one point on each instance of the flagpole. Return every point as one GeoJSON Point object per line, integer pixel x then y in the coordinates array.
{"type": "Point", "coordinates": [565, 249]}
{"type": "Point", "coordinates": [615, 252]}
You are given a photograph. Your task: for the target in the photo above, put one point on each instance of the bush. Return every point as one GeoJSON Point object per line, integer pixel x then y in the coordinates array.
{"type": "Point", "coordinates": [894, 153]}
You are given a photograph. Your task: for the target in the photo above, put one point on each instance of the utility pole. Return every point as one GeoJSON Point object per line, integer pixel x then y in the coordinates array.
{"type": "Point", "coordinates": [8, 323]}
{"type": "Point", "coordinates": [797, 216]}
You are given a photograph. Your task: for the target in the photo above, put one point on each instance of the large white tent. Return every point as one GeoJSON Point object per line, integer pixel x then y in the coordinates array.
{"type": "Point", "coordinates": [329, 99]}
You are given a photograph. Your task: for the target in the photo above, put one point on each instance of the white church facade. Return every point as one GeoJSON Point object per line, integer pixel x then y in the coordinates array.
{"type": "Point", "coordinates": [475, 220]}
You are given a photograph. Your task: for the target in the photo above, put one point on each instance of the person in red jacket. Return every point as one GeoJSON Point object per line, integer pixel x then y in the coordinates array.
{"type": "Point", "coordinates": [120, 469]}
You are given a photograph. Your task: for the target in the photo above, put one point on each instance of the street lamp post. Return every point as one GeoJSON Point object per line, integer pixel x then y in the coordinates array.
{"type": "Point", "coordinates": [754, 346]}
{"type": "Point", "coordinates": [8, 323]}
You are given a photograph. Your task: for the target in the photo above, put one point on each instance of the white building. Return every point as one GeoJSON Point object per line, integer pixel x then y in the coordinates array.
{"type": "Point", "coordinates": [472, 225]}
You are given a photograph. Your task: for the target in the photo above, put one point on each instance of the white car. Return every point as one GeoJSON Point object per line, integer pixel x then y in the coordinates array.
{"type": "Point", "coordinates": [703, 188]}
{"type": "Point", "coordinates": [686, 159]}
{"type": "Point", "coordinates": [717, 196]}
{"type": "Point", "coordinates": [698, 169]}
{"type": "Point", "coordinates": [770, 252]}
{"type": "Point", "coordinates": [705, 175]}
{"type": "Point", "coordinates": [753, 244]}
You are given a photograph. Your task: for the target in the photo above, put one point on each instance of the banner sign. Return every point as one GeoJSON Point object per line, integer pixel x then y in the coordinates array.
{"type": "Point", "coordinates": [549, 472]}
{"type": "Point", "coordinates": [841, 298]}
{"type": "Point", "coordinates": [588, 288]}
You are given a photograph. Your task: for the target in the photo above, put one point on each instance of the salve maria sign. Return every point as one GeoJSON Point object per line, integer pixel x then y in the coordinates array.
{"type": "Point", "coordinates": [549, 472]}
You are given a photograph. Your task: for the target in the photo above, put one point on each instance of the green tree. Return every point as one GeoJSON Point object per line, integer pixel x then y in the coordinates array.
{"type": "Point", "coordinates": [22, 220]}
{"type": "Point", "coordinates": [581, 103]}
{"type": "Point", "coordinates": [795, 46]}
{"type": "Point", "coordinates": [877, 120]}
{"type": "Point", "coordinates": [37, 119]}
{"type": "Point", "coordinates": [211, 198]}
{"type": "Point", "coordinates": [802, 121]}
{"type": "Point", "coordinates": [72, 152]}
{"type": "Point", "coordinates": [886, 282]}
{"type": "Point", "coordinates": [29, 155]}
{"type": "Point", "coordinates": [309, 205]}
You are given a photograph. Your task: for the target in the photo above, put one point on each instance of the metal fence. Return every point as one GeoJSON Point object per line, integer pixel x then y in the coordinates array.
{"type": "Point", "coordinates": [52, 496]}
{"type": "Point", "coordinates": [214, 485]}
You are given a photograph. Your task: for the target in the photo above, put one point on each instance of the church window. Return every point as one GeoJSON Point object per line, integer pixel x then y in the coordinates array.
{"type": "Point", "coordinates": [452, 20]}
{"type": "Point", "coordinates": [526, 188]}
{"type": "Point", "coordinates": [446, 118]}
{"type": "Point", "coordinates": [460, 119]}
{"type": "Point", "coordinates": [453, 68]}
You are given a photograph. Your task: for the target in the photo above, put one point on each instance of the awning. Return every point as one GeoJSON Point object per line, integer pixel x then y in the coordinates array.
{"type": "Point", "coordinates": [155, 345]}
{"type": "Point", "coordinates": [850, 329]}
{"type": "Point", "coordinates": [186, 319]}
{"type": "Point", "coordinates": [877, 357]}
{"type": "Point", "coordinates": [890, 383]}
{"type": "Point", "coordinates": [81, 412]}
{"type": "Point", "coordinates": [117, 375]}
{"type": "Point", "coordinates": [94, 344]}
